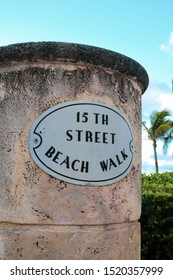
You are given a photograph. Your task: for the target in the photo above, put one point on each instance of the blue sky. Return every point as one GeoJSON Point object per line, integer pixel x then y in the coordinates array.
{"type": "Point", "coordinates": [142, 30]}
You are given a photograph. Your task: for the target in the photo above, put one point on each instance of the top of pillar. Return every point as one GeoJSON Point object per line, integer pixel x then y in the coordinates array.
{"type": "Point", "coordinates": [76, 53]}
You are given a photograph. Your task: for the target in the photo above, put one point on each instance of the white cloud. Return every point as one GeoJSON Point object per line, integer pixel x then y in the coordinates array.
{"type": "Point", "coordinates": [168, 48]}
{"type": "Point", "coordinates": [166, 101]}
{"type": "Point", "coordinates": [157, 97]}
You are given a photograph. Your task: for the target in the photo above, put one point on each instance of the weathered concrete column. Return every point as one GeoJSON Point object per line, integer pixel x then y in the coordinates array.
{"type": "Point", "coordinates": [47, 217]}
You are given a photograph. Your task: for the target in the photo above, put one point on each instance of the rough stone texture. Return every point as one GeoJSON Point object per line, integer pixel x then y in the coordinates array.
{"type": "Point", "coordinates": [34, 77]}
{"type": "Point", "coordinates": [70, 242]}
{"type": "Point", "coordinates": [75, 53]}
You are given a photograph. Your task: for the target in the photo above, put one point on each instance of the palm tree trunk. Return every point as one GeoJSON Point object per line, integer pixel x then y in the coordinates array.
{"type": "Point", "coordinates": [155, 156]}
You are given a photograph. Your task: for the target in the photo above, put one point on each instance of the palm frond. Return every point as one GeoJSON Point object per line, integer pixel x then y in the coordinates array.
{"type": "Point", "coordinates": [158, 118]}
{"type": "Point", "coordinates": [162, 129]}
{"type": "Point", "coordinates": [148, 130]}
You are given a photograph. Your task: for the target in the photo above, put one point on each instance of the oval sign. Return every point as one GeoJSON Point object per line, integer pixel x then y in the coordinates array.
{"type": "Point", "coordinates": [82, 142]}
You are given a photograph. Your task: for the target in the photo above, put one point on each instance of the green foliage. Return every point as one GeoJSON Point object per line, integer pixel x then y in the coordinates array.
{"type": "Point", "coordinates": [157, 216]}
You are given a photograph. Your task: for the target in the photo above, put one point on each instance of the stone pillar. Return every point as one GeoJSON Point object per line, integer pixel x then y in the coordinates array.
{"type": "Point", "coordinates": [43, 217]}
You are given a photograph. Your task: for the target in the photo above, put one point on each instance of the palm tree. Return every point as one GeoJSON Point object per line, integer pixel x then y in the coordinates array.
{"type": "Point", "coordinates": [160, 128]}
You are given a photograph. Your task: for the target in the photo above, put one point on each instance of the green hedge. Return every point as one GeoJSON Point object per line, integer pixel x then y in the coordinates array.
{"type": "Point", "coordinates": [157, 217]}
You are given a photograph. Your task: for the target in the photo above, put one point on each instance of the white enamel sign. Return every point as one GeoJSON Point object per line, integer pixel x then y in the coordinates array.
{"type": "Point", "coordinates": [82, 142]}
